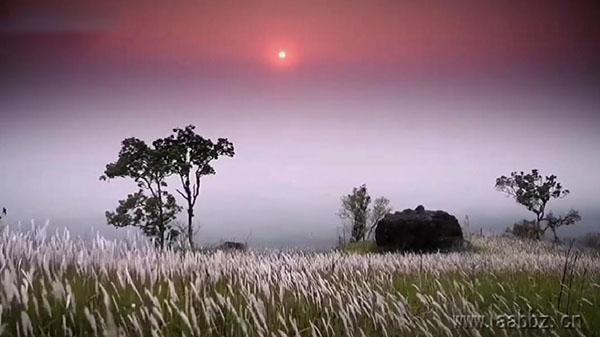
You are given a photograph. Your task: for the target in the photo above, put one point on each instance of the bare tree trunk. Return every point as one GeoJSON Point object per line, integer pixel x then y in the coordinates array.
{"type": "Point", "coordinates": [540, 217]}
{"type": "Point", "coordinates": [369, 234]}
{"type": "Point", "coordinates": [556, 239]}
{"type": "Point", "coordinates": [161, 219]}
{"type": "Point", "coordinates": [190, 198]}
{"type": "Point", "coordinates": [190, 212]}
{"type": "Point", "coordinates": [538, 225]}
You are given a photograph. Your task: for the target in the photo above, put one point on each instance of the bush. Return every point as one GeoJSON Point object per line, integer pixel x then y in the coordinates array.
{"type": "Point", "coordinates": [525, 229]}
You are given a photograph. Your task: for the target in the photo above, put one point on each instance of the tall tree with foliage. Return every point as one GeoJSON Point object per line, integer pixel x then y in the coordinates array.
{"type": "Point", "coordinates": [149, 168]}
{"type": "Point", "coordinates": [190, 158]}
{"type": "Point", "coordinates": [355, 208]}
{"type": "Point", "coordinates": [533, 191]}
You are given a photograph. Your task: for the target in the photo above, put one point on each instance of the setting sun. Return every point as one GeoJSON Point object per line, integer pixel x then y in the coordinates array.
{"type": "Point", "coordinates": [282, 54]}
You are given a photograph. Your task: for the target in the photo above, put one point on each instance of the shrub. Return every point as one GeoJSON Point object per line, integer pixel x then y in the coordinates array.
{"type": "Point", "coordinates": [526, 229]}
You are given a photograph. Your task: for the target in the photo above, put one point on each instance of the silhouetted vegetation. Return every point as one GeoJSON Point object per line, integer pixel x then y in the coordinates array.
{"type": "Point", "coordinates": [144, 212]}
{"type": "Point", "coordinates": [232, 246]}
{"type": "Point", "coordinates": [554, 222]}
{"type": "Point", "coordinates": [356, 209]}
{"type": "Point", "coordinates": [184, 154]}
{"type": "Point", "coordinates": [149, 167]}
{"type": "Point", "coordinates": [190, 157]}
{"type": "Point", "coordinates": [534, 191]}
{"type": "Point", "coordinates": [525, 229]}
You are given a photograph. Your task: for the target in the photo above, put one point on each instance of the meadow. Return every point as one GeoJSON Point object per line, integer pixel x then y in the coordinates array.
{"type": "Point", "coordinates": [58, 286]}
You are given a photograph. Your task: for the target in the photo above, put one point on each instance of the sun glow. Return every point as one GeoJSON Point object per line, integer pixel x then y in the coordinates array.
{"type": "Point", "coordinates": [282, 55]}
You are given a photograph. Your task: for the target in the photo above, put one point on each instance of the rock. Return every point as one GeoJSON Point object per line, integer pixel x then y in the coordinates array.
{"type": "Point", "coordinates": [418, 230]}
{"type": "Point", "coordinates": [232, 245]}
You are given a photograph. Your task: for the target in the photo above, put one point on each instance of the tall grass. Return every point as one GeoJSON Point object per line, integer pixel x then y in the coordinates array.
{"type": "Point", "coordinates": [57, 286]}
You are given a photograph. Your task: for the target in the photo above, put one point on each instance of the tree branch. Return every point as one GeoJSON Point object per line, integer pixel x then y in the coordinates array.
{"type": "Point", "coordinates": [183, 195]}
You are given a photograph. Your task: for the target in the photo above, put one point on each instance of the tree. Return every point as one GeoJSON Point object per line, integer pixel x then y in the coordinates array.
{"type": "Point", "coordinates": [527, 229]}
{"type": "Point", "coordinates": [139, 210]}
{"type": "Point", "coordinates": [190, 157]}
{"type": "Point", "coordinates": [533, 191]}
{"type": "Point", "coordinates": [356, 209]}
{"type": "Point", "coordinates": [148, 167]}
{"type": "Point", "coordinates": [553, 222]}
{"type": "Point", "coordinates": [381, 207]}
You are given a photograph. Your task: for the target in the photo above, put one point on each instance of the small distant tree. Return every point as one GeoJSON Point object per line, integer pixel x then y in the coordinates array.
{"type": "Point", "coordinates": [381, 207]}
{"type": "Point", "coordinates": [149, 214]}
{"type": "Point", "coordinates": [190, 157]}
{"type": "Point", "coordinates": [533, 191]}
{"type": "Point", "coordinates": [149, 168]}
{"type": "Point", "coordinates": [356, 209]}
{"type": "Point", "coordinates": [553, 222]}
{"type": "Point", "coordinates": [466, 228]}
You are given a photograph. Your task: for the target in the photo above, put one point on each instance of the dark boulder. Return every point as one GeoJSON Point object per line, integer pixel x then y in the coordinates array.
{"type": "Point", "coordinates": [418, 230]}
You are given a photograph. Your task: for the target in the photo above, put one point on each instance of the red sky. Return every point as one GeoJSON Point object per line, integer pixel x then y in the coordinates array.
{"type": "Point", "coordinates": [416, 38]}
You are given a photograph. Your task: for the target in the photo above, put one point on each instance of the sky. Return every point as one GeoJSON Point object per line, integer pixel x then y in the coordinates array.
{"type": "Point", "coordinates": [425, 102]}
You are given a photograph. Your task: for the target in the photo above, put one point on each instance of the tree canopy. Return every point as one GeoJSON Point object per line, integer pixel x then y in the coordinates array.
{"type": "Point", "coordinates": [533, 191]}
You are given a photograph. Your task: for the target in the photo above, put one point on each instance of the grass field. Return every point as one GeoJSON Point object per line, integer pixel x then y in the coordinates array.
{"type": "Point", "coordinates": [56, 286]}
